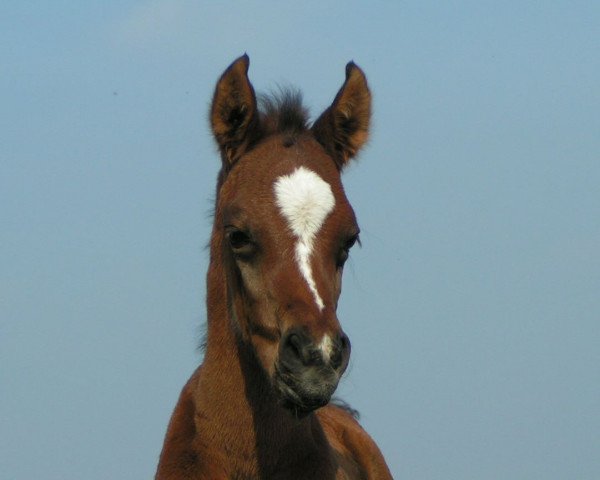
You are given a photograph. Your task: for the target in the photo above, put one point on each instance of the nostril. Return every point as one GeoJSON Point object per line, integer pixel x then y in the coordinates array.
{"type": "Point", "coordinates": [295, 345]}
{"type": "Point", "coordinates": [341, 354]}
{"type": "Point", "coordinates": [296, 350]}
{"type": "Point", "coordinates": [344, 342]}
{"type": "Point", "coordinates": [336, 359]}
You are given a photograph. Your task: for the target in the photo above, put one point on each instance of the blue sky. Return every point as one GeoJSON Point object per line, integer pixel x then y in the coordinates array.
{"type": "Point", "coordinates": [473, 306]}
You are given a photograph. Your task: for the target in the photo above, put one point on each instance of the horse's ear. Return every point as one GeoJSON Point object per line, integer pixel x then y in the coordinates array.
{"type": "Point", "coordinates": [344, 127]}
{"type": "Point", "coordinates": [233, 114]}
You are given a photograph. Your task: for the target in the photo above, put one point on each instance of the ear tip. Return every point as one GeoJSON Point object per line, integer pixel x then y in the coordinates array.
{"type": "Point", "coordinates": [241, 63]}
{"type": "Point", "coordinates": [245, 61]}
{"type": "Point", "coordinates": [349, 67]}
{"type": "Point", "coordinates": [352, 69]}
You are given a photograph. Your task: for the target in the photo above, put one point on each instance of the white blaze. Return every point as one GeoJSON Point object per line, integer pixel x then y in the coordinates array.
{"type": "Point", "coordinates": [305, 200]}
{"type": "Point", "coordinates": [326, 346]}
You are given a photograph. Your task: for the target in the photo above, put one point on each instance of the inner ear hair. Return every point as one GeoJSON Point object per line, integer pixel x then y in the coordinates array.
{"type": "Point", "coordinates": [343, 128]}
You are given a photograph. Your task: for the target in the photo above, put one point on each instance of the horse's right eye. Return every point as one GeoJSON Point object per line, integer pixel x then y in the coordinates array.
{"type": "Point", "coordinates": [240, 242]}
{"type": "Point", "coordinates": [238, 239]}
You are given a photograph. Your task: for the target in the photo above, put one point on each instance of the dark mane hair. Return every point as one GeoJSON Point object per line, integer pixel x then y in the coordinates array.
{"type": "Point", "coordinates": [283, 112]}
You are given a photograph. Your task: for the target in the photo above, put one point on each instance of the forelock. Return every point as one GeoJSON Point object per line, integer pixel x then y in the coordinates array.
{"type": "Point", "coordinates": [283, 112]}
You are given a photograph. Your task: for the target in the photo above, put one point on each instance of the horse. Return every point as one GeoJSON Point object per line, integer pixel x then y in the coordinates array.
{"type": "Point", "coordinates": [259, 406]}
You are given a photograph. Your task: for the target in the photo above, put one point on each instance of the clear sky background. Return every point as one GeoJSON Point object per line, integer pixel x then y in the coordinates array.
{"type": "Point", "coordinates": [473, 306]}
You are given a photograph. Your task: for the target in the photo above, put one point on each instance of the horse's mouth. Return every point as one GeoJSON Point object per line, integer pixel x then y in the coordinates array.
{"type": "Point", "coordinates": [305, 391]}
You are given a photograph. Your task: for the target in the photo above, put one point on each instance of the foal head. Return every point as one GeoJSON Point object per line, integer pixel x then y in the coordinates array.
{"type": "Point", "coordinates": [283, 228]}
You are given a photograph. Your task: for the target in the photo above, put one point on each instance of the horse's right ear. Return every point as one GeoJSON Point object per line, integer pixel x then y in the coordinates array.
{"type": "Point", "coordinates": [233, 114]}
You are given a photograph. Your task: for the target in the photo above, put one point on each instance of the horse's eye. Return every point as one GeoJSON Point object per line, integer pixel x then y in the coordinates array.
{"type": "Point", "coordinates": [240, 242]}
{"type": "Point", "coordinates": [350, 243]}
{"type": "Point", "coordinates": [345, 250]}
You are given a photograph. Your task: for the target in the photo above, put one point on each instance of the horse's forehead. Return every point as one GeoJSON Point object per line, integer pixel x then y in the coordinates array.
{"type": "Point", "coordinates": [303, 168]}
{"type": "Point", "coordinates": [304, 199]}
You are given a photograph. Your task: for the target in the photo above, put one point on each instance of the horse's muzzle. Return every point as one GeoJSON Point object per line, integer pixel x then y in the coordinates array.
{"type": "Point", "coordinates": [307, 374]}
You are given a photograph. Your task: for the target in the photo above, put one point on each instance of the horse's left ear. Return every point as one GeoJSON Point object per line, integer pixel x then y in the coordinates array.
{"type": "Point", "coordinates": [233, 114]}
{"type": "Point", "coordinates": [344, 127]}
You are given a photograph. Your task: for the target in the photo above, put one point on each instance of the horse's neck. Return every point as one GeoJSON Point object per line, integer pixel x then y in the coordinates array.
{"type": "Point", "coordinates": [234, 397]}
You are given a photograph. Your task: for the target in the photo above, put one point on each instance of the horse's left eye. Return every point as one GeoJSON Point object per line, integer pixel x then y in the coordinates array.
{"type": "Point", "coordinates": [344, 252]}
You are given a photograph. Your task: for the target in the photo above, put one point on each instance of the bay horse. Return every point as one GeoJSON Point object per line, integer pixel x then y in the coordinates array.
{"type": "Point", "coordinates": [259, 405]}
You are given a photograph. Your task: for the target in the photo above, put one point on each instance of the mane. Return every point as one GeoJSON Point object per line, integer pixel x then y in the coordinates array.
{"type": "Point", "coordinates": [345, 406]}
{"type": "Point", "coordinates": [283, 112]}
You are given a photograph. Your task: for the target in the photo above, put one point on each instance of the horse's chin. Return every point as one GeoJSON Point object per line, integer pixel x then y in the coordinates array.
{"type": "Point", "coordinates": [301, 406]}
{"type": "Point", "coordinates": [301, 395]}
